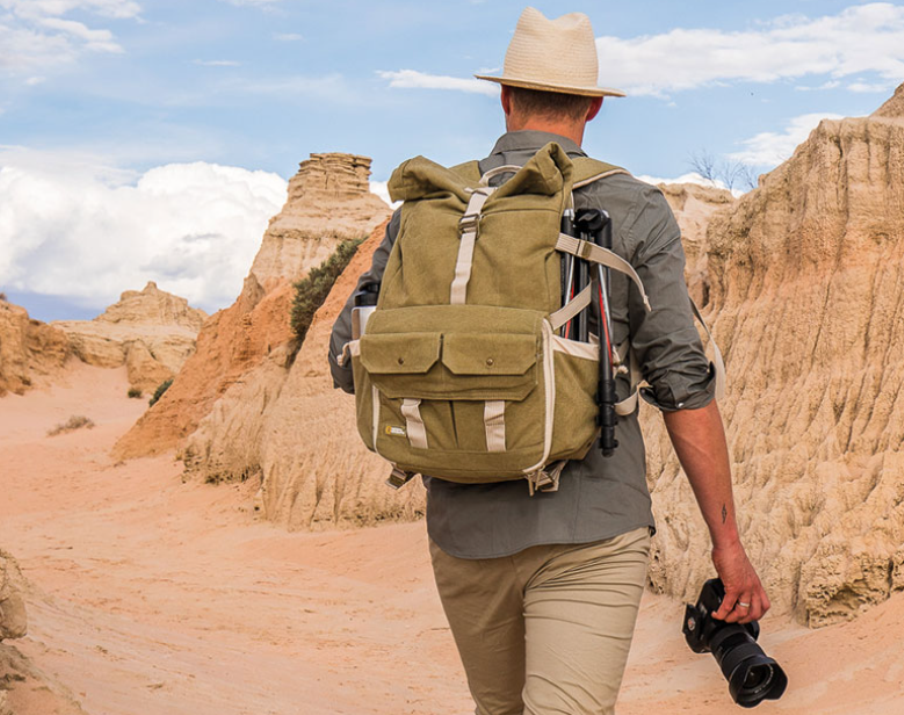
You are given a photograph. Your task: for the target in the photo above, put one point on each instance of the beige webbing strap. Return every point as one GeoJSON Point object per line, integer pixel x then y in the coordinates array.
{"type": "Point", "coordinates": [623, 353]}
{"type": "Point", "coordinates": [507, 169]}
{"type": "Point", "coordinates": [468, 225]}
{"type": "Point", "coordinates": [587, 251]}
{"type": "Point", "coordinates": [718, 362]}
{"type": "Point", "coordinates": [571, 308]}
{"type": "Point", "coordinates": [414, 424]}
{"type": "Point", "coordinates": [597, 177]}
{"type": "Point", "coordinates": [546, 479]}
{"type": "Point", "coordinates": [494, 424]}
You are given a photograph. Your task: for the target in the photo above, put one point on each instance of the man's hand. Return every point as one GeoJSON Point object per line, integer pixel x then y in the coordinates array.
{"type": "Point", "coordinates": [742, 586]}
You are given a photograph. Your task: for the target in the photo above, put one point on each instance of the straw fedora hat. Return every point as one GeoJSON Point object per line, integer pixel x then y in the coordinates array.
{"type": "Point", "coordinates": [553, 56]}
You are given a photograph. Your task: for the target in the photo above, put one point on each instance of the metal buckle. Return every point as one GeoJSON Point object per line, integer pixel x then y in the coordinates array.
{"type": "Point", "coordinates": [398, 478]}
{"type": "Point", "coordinates": [468, 223]}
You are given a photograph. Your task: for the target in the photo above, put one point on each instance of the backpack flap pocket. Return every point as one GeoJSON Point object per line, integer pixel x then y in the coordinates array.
{"type": "Point", "coordinates": [401, 364]}
{"type": "Point", "coordinates": [500, 366]}
{"type": "Point", "coordinates": [400, 353]}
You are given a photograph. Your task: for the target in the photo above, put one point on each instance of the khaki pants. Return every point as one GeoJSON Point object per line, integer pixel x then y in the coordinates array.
{"type": "Point", "coordinates": [547, 630]}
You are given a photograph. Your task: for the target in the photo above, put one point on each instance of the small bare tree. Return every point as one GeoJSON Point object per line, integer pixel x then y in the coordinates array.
{"type": "Point", "coordinates": [704, 163]}
{"type": "Point", "coordinates": [730, 173]}
{"type": "Point", "coordinates": [749, 178]}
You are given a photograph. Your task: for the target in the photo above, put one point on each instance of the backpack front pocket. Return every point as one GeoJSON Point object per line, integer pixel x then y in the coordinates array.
{"type": "Point", "coordinates": [458, 404]}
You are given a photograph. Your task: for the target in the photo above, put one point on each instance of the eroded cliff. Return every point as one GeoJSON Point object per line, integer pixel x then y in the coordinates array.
{"type": "Point", "coordinates": [13, 621]}
{"type": "Point", "coordinates": [29, 349]}
{"type": "Point", "coordinates": [806, 298]}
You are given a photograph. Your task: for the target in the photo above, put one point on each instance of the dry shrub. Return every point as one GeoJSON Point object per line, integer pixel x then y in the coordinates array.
{"type": "Point", "coordinates": [158, 393]}
{"type": "Point", "coordinates": [73, 423]}
{"type": "Point", "coordinates": [312, 291]}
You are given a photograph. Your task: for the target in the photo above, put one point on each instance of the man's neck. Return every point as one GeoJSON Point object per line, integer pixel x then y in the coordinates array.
{"type": "Point", "coordinates": [575, 132]}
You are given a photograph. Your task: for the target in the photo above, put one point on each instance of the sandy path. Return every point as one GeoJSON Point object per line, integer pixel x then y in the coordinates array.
{"type": "Point", "coordinates": [153, 596]}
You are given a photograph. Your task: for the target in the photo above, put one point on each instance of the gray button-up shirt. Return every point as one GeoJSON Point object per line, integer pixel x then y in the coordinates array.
{"type": "Point", "coordinates": [598, 497]}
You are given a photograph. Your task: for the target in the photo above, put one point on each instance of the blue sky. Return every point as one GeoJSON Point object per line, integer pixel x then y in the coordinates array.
{"type": "Point", "coordinates": [222, 99]}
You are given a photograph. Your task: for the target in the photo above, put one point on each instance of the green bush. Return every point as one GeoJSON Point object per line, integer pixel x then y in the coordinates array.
{"type": "Point", "coordinates": [134, 392]}
{"type": "Point", "coordinates": [311, 292]}
{"type": "Point", "coordinates": [158, 393]}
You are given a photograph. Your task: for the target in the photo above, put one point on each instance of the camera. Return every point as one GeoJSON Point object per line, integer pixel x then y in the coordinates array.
{"type": "Point", "coordinates": [752, 675]}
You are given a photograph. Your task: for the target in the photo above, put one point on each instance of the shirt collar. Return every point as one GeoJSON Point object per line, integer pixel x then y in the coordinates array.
{"type": "Point", "coordinates": [531, 139]}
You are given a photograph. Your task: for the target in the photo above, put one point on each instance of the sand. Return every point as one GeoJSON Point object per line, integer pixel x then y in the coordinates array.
{"type": "Point", "coordinates": [153, 596]}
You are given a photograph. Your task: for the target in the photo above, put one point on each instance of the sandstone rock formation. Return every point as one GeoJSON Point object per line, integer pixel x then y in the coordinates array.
{"type": "Point", "coordinates": [13, 621]}
{"type": "Point", "coordinates": [314, 468]}
{"type": "Point", "coordinates": [245, 350]}
{"type": "Point", "coordinates": [806, 295]}
{"type": "Point", "coordinates": [329, 201]}
{"type": "Point", "coordinates": [29, 349]}
{"type": "Point", "coordinates": [151, 331]}
{"type": "Point", "coordinates": [693, 206]}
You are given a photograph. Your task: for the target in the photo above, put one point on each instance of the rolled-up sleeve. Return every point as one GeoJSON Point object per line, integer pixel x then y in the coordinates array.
{"type": "Point", "coordinates": [342, 328]}
{"type": "Point", "coordinates": [665, 341]}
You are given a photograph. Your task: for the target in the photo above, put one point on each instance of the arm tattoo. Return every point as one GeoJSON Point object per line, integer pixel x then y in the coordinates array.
{"type": "Point", "coordinates": [724, 513]}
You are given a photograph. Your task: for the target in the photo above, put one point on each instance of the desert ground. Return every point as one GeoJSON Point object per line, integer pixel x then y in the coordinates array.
{"type": "Point", "coordinates": [151, 595]}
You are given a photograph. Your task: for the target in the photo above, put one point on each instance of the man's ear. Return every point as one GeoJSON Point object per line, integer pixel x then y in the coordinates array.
{"type": "Point", "coordinates": [505, 97]}
{"type": "Point", "coordinates": [595, 107]}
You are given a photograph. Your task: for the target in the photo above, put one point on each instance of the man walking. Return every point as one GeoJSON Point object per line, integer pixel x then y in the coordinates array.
{"type": "Point", "coordinates": [542, 592]}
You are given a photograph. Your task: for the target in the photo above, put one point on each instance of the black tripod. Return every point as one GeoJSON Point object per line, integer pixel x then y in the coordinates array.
{"type": "Point", "coordinates": [595, 226]}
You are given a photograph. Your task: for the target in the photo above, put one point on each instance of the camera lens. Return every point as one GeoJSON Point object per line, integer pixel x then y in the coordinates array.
{"type": "Point", "coordinates": [757, 676]}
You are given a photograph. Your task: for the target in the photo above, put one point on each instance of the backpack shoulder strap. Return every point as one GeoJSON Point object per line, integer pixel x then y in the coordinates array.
{"type": "Point", "coordinates": [587, 170]}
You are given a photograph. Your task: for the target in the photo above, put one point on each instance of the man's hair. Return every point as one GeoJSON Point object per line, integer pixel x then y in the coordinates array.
{"type": "Point", "coordinates": [534, 102]}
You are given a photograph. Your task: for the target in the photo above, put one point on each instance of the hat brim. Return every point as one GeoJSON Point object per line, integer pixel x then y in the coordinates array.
{"type": "Point", "coordinates": [560, 88]}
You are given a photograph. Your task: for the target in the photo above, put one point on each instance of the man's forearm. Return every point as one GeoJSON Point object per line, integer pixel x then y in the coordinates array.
{"type": "Point", "coordinates": [699, 441]}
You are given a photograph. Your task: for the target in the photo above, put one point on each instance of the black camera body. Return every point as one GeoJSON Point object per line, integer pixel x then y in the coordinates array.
{"type": "Point", "coordinates": [752, 675]}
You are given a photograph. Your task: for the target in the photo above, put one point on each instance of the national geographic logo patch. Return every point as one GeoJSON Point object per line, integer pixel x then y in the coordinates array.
{"type": "Point", "coordinates": [394, 431]}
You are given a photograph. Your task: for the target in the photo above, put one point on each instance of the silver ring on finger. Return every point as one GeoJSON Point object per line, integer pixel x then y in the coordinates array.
{"type": "Point", "coordinates": [743, 605]}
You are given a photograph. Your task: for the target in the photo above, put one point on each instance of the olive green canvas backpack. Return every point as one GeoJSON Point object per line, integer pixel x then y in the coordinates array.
{"type": "Point", "coordinates": [462, 372]}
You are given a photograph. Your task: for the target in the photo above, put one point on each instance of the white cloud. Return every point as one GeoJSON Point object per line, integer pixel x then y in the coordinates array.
{"type": "Point", "coordinates": [412, 79]}
{"type": "Point", "coordinates": [73, 226]}
{"type": "Point", "coordinates": [35, 34]}
{"type": "Point", "coordinates": [44, 8]}
{"type": "Point", "coordinates": [23, 49]}
{"type": "Point", "coordinates": [380, 189]}
{"type": "Point", "coordinates": [831, 84]}
{"type": "Point", "coordinates": [870, 87]}
{"type": "Point", "coordinates": [101, 40]}
{"type": "Point", "coordinates": [288, 37]}
{"type": "Point", "coordinates": [862, 38]}
{"type": "Point", "coordinates": [772, 148]}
